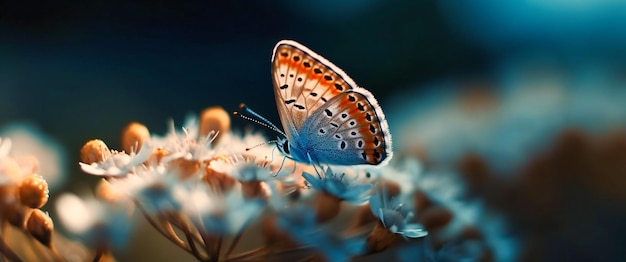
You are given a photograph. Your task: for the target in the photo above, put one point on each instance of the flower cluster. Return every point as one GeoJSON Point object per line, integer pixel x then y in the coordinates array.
{"type": "Point", "coordinates": [23, 192]}
{"type": "Point", "coordinates": [202, 189]}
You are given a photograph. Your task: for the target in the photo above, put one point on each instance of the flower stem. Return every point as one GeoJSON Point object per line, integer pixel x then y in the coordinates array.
{"type": "Point", "coordinates": [7, 252]}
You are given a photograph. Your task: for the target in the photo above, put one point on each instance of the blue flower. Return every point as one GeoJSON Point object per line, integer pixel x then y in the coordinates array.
{"type": "Point", "coordinates": [340, 187]}
{"type": "Point", "coordinates": [394, 216]}
{"type": "Point", "coordinates": [300, 222]}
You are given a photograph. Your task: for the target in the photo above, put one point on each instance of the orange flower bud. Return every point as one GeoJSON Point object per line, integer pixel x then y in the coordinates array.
{"type": "Point", "coordinates": [214, 119]}
{"type": "Point", "coordinates": [40, 226]}
{"type": "Point", "coordinates": [133, 136]}
{"type": "Point", "coordinates": [33, 191]}
{"type": "Point", "coordinates": [94, 151]}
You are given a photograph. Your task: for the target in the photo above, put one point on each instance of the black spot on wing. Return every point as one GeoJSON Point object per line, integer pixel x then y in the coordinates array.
{"type": "Point", "coordinates": [377, 154]}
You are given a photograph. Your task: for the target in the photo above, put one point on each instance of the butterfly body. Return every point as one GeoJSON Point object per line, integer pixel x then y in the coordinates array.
{"type": "Point", "coordinates": [327, 118]}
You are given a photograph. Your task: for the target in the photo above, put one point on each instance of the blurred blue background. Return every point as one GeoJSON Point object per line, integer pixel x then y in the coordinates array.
{"type": "Point", "coordinates": [78, 70]}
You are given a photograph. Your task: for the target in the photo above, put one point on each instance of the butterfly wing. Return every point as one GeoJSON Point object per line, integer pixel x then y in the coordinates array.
{"type": "Point", "coordinates": [350, 129]}
{"type": "Point", "coordinates": [303, 82]}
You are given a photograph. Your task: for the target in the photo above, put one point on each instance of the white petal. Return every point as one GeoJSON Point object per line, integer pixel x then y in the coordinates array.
{"type": "Point", "coordinates": [5, 147]}
{"type": "Point", "coordinates": [75, 214]}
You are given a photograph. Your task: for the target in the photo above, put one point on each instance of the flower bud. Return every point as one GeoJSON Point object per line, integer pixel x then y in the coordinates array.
{"type": "Point", "coordinates": [214, 119]}
{"type": "Point", "coordinates": [14, 212]}
{"type": "Point", "coordinates": [33, 191]}
{"type": "Point", "coordinates": [40, 226]}
{"type": "Point", "coordinates": [157, 155]}
{"type": "Point", "coordinates": [133, 136]}
{"type": "Point", "coordinates": [106, 192]}
{"type": "Point", "coordinates": [94, 151]}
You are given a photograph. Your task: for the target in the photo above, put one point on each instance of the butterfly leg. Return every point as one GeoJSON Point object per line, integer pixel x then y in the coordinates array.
{"type": "Point", "coordinates": [315, 165]}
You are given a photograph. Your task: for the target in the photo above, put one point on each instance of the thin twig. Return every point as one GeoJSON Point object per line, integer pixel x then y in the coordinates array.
{"type": "Point", "coordinates": [183, 226]}
{"type": "Point", "coordinates": [186, 228]}
{"type": "Point", "coordinates": [247, 254]}
{"type": "Point", "coordinates": [156, 226]}
{"type": "Point", "coordinates": [234, 243]}
{"type": "Point", "coordinates": [218, 248]}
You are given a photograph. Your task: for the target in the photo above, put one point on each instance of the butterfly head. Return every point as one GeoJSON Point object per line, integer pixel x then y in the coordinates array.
{"type": "Point", "coordinates": [284, 147]}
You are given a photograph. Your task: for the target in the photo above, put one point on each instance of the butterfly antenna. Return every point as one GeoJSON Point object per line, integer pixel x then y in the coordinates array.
{"type": "Point", "coordinates": [268, 142]}
{"type": "Point", "coordinates": [258, 119]}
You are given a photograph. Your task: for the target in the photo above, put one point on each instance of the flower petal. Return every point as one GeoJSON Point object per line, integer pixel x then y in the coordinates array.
{"type": "Point", "coordinates": [414, 231]}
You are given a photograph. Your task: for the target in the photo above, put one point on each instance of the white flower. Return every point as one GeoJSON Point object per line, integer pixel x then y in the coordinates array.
{"type": "Point", "coordinates": [218, 213]}
{"type": "Point", "coordinates": [94, 221]}
{"type": "Point", "coordinates": [119, 163]}
{"type": "Point", "coordinates": [5, 147]}
{"type": "Point", "coordinates": [186, 145]}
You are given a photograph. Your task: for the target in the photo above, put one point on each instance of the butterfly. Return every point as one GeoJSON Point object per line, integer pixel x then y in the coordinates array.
{"type": "Point", "coordinates": [326, 117]}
